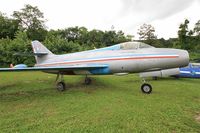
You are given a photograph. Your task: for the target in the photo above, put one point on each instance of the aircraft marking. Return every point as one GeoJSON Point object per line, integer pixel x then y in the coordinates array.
{"type": "Point", "coordinates": [108, 59]}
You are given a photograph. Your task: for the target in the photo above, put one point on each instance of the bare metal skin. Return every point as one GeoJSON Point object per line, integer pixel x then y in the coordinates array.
{"type": "Point", "coordinates": [139, 59]}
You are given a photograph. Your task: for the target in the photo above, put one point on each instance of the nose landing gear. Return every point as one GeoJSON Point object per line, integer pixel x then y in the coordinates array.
{"type": "Point", "coordinates": [146, 88]}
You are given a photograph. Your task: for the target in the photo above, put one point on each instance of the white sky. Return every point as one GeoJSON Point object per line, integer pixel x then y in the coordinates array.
{"type": "Point", "coordinates": [125, 15]}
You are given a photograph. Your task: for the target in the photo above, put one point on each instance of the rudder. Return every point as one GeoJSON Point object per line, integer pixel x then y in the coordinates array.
{"type": "Point", "coordinates": [40, 51]}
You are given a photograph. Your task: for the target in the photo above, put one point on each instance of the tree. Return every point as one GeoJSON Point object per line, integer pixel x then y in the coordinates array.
{"type": "Point", "coordinates": [9, 49]}
{"type": "Point", "coordinates": [70, 34]}
{"type": "Point", "coordinates": [21, 44]}
{"type": "Point", "coordinates": [59, 45]}
{"type": "Point", "coordinates": [183, 33]}
{"type": "Point", "coordinates": [130, 37]}
{"type": "Point", "coordinates": [4, 43]}
{"type": "Point", "coordinates": [31, 20]}
{"type": "Point", "coordinates": [147, 33]}
{"type": "Point", "coordinates": [120, 37]}
{"type": "Point", "coordinates": [8, 27]}
{"type": "Point", "coordinates": [95, 38]}
{"type": "Point", "coordinates": [197, 28]}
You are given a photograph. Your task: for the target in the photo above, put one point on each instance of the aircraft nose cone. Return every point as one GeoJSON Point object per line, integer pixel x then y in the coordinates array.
{"type": "Point", "coordinates": [184, 57]}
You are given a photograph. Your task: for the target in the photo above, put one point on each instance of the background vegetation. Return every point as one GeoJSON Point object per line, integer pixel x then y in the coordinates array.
{"type": "Point", "coordinates": [17, 32]}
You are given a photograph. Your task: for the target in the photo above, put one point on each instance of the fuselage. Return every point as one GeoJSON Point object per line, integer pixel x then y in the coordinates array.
{"type": "Point", "coordinates": [120, 60]}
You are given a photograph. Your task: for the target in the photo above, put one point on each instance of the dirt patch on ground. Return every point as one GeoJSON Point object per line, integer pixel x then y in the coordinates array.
{"type": "Point", "coordinates": [7, 86]}
{"type": "Point", "coordinates": [15, 94]}
{"type": "Point", "coordinates": [197, 117]}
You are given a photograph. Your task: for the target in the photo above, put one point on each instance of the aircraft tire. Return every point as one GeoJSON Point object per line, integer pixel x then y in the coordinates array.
{"type": "Point", "coordinates": [88, 81]}
{"type": "Point", "coordinates": [60, 86]}
{"type": "Point", "coordinates": [146, 88]}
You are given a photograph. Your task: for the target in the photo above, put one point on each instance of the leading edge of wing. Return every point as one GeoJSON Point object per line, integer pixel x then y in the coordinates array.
{"type": "Point", "coordinates": [74, 67]}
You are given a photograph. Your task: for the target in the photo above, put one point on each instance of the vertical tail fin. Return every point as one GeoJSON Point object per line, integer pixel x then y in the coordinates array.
{"type": "Point", "coordinates": [40, 49]}
{"type": "Point", "coordinates": [41, 52]}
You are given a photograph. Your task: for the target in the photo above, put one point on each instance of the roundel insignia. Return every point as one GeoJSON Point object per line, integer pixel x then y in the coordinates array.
{"type": "Point", "coordinates": [193, 72]}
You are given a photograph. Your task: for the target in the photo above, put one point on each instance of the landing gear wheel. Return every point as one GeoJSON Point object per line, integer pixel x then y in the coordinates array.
{"type": "Point", "coordinates": [146, 88]}
{"type": "Point", "coordinates": [60, 86]}
{"type": "Point", "coordinates": [88, 81]}
{"type": "Point", "coordinates": [155, 78]}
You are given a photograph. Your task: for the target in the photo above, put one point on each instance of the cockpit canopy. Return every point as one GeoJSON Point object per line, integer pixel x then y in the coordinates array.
{"type": "Point", "coordinates": [125, 46]}
{"type": "Point", "coordinates": [134, 45]}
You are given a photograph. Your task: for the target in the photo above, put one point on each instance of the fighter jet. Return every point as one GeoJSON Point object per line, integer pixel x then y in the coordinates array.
{"type": "Point", "coordinates": [119, 59]}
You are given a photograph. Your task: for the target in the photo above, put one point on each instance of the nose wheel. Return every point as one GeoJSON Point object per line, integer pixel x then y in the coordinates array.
{"type": "Point", "coordinates": [146, 88]}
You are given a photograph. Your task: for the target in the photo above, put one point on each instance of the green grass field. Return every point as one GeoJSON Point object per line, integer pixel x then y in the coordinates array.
{"type": "Point", "coordinates": [29, 103]}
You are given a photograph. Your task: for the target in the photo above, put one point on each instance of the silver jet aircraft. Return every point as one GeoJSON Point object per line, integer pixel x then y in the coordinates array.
{"type": "Point", "coordinates": [120, 59]}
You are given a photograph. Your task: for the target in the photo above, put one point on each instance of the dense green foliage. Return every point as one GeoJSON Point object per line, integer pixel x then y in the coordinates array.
{"type": "Point", "coordinates": [28, 24]}
{"type": "Point", "coordinates": [31, 20]}
{"type": "Point", "coordinates": [111, 104]}
{"type": "Point", "coordinates": [8, 27]}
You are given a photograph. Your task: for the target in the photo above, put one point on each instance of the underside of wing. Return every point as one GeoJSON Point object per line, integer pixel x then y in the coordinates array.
{"type": "Point", "coordinates": [58, 68]}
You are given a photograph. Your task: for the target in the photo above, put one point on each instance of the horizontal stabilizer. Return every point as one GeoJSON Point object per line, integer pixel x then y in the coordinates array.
{"type": "Point", "coordinates": [31, 54]}
{"type": "Point", "coordinates": [40, 54]}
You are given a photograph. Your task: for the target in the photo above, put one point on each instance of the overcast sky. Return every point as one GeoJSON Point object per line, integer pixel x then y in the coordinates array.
{"type": "Point", "coordinates": [125, 15]}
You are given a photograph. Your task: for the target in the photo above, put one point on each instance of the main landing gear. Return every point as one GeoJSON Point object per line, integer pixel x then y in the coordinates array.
{"type": "Point", "coordinates": [60, 86]}
{"type": "Point", "coordinates": [88, 80]}
{"type": "Point", "coordinates": [146, 88]}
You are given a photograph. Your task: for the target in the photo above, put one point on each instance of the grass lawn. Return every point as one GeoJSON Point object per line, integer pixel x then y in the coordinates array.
{"type": "Point", "coordinates": [29, 103]}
